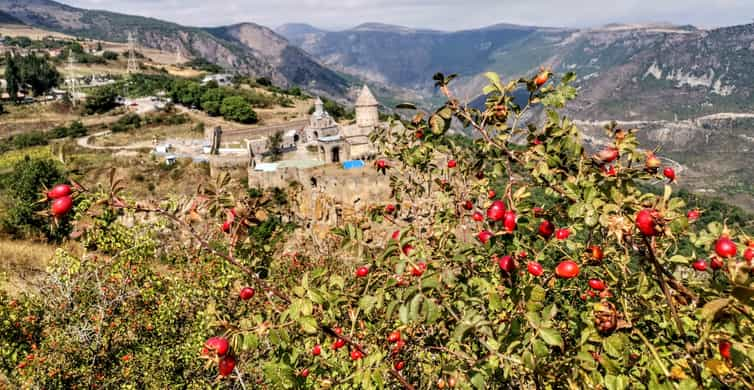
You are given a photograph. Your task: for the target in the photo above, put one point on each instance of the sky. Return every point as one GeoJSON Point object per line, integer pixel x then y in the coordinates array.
{"type": "Point", "coordinates": [434, 14]}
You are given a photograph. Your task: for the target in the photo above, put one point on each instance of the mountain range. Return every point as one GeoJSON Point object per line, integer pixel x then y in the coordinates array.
{"type": "Point", "coordinates": [630, 72]}
{"type": "Point", "coordinates": [626, 71]}
{"type": "Point", "coordinates": [246, 48]}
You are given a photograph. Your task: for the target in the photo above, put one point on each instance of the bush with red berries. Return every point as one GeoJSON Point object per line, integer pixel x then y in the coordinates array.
{"type": "Point", "coordinates": [532, 262]}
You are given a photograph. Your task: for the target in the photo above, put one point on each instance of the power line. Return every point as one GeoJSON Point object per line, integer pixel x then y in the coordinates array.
{"type": "Point", "coordinates": [132, 66]}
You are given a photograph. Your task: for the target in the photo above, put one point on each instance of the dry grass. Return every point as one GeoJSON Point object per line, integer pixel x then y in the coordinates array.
{"type": "Point", "coordinates": [144, 135]}
{"type": "Point", "coordinates": [23, 262]}
{"type": "Point", "coordinates": [44, 117]}
{"type": "Point", "coordinates": [9, 30]}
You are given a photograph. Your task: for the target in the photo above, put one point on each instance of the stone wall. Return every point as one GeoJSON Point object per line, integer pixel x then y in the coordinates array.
{"type": "Point", "coordinates": [264, 131]}
{"type": "Point", "coordinates": [329, 194]}
{"type": "Point", "coordinates": [236, 164]}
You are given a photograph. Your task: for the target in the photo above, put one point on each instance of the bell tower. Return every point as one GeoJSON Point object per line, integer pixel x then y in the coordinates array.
{"type": "Point", "coordinates": [366, 109]}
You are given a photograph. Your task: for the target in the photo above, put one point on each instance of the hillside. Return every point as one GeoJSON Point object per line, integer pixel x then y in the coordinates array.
{"type": "Point", "coordinates": [401, 56]}
{"type": "Point", "coordinates": [8, 19]}
{"type": "Point", "coordinates": [293, 68]}
{"type": "Point", "coordinates": [627, 71]}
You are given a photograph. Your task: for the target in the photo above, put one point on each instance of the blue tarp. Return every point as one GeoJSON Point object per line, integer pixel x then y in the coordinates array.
{"type": "Point", "coordinates": [353, 164]}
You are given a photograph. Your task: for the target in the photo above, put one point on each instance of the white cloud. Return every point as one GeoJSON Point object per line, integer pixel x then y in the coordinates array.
{"type": "Point", "coordinates": [436, 14]}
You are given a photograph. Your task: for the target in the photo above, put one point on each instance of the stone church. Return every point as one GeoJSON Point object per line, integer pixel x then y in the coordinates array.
{"type": "Point", "coordinates": [327, 140]}
{"type": "Point", "coordinates": [337, 143]}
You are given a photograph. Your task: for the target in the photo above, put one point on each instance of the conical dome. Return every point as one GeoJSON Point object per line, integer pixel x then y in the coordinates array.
{"type": "Point", "coordinates": [366, 98]}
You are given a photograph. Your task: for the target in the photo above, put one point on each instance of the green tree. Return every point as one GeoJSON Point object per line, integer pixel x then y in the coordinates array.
{"type": "Point", "coordinates": [29, 139]}
{"type": "Point", "coordinates": [110, 55]}
{"type": "Point", "coordinates": [76, 129]}
{"type": "Point", "coordinates": [212, 101]}
{"type": "Point", "coordinates": [101, 100]}
{"type": "Point", "coordinates": [22, 191]}
{"type": "Point", "coordinates": [126, 122]}
{"type": "Point", "coordinates": [264, 81]}
{"type": "Point", "coordinates": [187, 92]}
{"type": "Point", "coordinates": [76, 48]}
{"type": "Point", "coordinates": [273, 145]}
{"type": "Point", "coordinates": [38, 73]}
{"type": "Point", "coordinates": [12, 76]}
{"type": "Point", "coordinates": [237, 109]}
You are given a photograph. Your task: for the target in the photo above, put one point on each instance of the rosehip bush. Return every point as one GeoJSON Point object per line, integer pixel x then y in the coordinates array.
{"type": "Point", "coordinates": [432, 293]}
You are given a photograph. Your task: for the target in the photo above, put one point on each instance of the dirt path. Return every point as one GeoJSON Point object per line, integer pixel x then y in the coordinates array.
{"type": "Point", "coordinates": [84, 143]}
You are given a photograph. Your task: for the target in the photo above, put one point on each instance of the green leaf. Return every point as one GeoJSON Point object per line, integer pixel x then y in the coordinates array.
{"type": "Point", "coordinates": [280, 375]}
{"type": "Point", "coordinates": [679, 259]}
{"type": "Point", "coordinates": [460, 331]}
{"type": "Point", "coordinates": [432, 282]}
{"type": "Point", "coordinates": [338, 281]}
{"type": "Point", "coordinates": [432, 311]}
{"type": "Point", "coordinates": [494, 78]}
{"type": "Point", "coordinates": [537, 294]}
{"type": "Point", "coordinates": [366, 303]}
{"type": "Point", "coordinates": [306, 307]}
{"type": "Point", "coordinates": [533, 318]}
{"type": "Point", "coordinates": [403, 314]}
{"type": "Point", "coordinates": [551, 337]}
{"type": "Point", "coordinates": [446, 113]}
{"type": "Point", "coordinates": [540, 348]}
{"type": "Point", "coordinates": [478, 381]}
{"type": "Point", "coordinates": [614, 345]}
{"type": "Point", "coordinates": [315, 295]}
{"type": "Point", "coordinates": [308, 324]}
{"type": "Point", "coordinates": [413, 314]}
{"type": "Point", "coordinates": [613, 382]}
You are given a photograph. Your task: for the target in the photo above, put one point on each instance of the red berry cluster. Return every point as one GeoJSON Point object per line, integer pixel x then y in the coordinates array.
{"type": "Point", "coordinates": [62, 200]}
{"type": "Point", "coordinates": [217, 348]}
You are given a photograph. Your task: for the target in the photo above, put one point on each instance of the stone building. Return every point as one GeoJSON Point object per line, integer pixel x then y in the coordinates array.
{"type": "Point", "coordinates": [356, 136]}
{"type": "Point", "coordinates": [340, 143]}
{"type": "Point", "coordinates": [321, 124]}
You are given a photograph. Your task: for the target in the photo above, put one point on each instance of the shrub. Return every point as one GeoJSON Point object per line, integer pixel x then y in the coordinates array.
{"type": "Point", "coordinates": [26, 140]}
{"type": "Point", "coordinates": [610, 301]}
{"type": "Point", "coordinates": [74, 130]}
{"type": "Point", "coordinates": [110, 55]}
{"type": "Point", "coordinates": [264, 81]}
{"type": "Point", "coordinates": [237, 109]}
{"type": "Point", "coordinates": [101, 100]}
{"type": "Point", "coordinates": [127, 122]}
{"type": "Point", "coordinates": [212, 100]}
{"type": "Point", "coordinates": [22, 189]}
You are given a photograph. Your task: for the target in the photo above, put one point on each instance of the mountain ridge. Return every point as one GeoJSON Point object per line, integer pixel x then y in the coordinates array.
{"type": "Point", "coordinates": [295, 67]}
{"type": "Point", "coordinates": [619, 65]}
